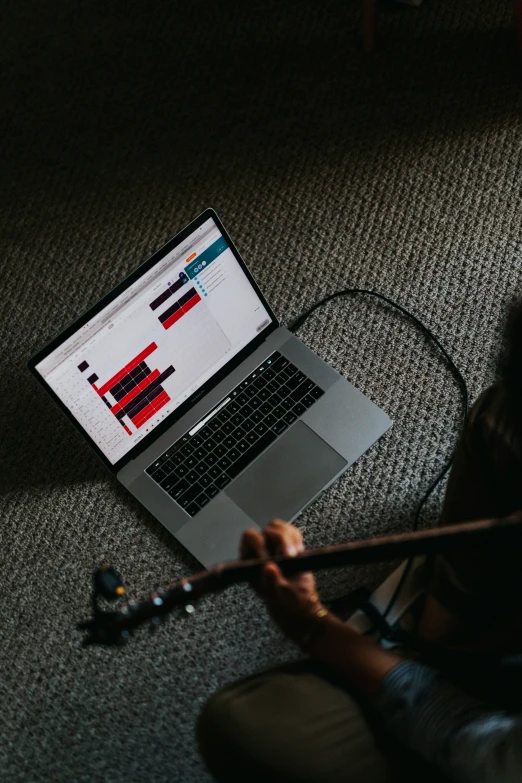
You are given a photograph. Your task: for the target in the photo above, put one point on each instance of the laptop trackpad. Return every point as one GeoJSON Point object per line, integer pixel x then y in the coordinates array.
{"type": "Point", "coordinates": [287, 476]}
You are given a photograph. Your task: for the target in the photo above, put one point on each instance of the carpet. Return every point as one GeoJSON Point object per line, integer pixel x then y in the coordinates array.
{"type": "Point", "coordinates": [398, 172]}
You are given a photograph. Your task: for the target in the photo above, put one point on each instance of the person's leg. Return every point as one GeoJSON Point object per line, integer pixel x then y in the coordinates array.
{"type": "Point", "coordinates": [294, 724]}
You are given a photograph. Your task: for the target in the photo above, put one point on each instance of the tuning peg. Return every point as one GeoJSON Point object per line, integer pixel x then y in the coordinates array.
{"type": "Point", "coordinates": [108, 583]}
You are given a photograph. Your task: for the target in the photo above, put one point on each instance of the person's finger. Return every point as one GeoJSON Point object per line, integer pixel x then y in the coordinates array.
{"type": "Point", "coordinates": [252, 544]}
{"type": "Point", "coordinates": [272, 580]}
{"type": "Point", "coordinates": [283, 538]}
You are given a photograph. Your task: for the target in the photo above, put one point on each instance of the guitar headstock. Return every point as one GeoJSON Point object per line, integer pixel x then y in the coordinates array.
{"type": "Point", "coordinates": [114, 628]}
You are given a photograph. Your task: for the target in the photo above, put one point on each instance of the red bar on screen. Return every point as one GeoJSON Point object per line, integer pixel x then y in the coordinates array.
{"type": "Point", "coordinates": [127, 429]}
{"type": "Point", "coordinates": [151, 409]}
{"type": "Point", "coordinates": [173, 318]}
{"type": "Point", "coordinates": [133, 392]}
{"type": "Point", "coordinates": [191, 302]}
{"type": "Point", "coordinates": [126, 370]}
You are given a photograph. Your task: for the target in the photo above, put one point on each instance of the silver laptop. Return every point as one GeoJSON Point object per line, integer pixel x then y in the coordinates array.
{"type": "Point", "coordinates": [211, 414]}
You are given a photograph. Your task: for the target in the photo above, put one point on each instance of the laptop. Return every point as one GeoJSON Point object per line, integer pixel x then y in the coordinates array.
{"type": "Point", "coordinates": [210, 413]}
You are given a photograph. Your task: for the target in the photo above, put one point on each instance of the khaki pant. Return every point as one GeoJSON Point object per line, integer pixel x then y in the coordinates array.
{"type": "Point", "coordinates": [298, 723]}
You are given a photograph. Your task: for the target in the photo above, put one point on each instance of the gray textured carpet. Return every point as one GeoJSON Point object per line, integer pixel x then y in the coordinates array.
{"type": "Point", "coordinates": [122, 121]}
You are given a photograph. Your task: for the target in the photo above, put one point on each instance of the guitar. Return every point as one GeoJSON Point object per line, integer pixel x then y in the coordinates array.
{"type": "Point", "coordinates": [116, 627]}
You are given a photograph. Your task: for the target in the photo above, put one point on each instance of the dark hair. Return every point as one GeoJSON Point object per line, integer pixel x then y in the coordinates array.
{"type": "Point", "coordinates": [509, 365]}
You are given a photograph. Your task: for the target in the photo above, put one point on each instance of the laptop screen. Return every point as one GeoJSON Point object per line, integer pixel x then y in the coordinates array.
{"type": "Point", "coordinates": [122, 373]}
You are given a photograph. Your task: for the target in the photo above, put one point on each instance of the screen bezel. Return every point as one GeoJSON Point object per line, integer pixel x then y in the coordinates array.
{"type": "Point", "coordinates": [128, 281]}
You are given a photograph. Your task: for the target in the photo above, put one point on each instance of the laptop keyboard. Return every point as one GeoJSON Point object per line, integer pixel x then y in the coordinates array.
{"type": "Point", "coordinates": [251, 417]}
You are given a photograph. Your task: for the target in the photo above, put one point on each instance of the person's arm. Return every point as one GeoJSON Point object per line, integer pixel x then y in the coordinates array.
{"type": "Point", "coordinates": [460, 736]}
{"type": "Point", "coordinates": [469, 743]}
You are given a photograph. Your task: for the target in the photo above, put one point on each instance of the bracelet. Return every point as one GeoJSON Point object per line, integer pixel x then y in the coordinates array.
{"type": "Point", "coordinates": [317, 620]}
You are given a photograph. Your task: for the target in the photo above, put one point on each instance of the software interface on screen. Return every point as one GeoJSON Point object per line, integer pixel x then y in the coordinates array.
{"type": "Point", "coordinates": [153, 346]}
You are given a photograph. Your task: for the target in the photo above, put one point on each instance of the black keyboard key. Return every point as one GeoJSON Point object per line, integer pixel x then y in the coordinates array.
{"type": "Point", "coordinates": [236, 419]}
{"type": "Point", "coordinates": [211, 490]}
{"type": "Point", "coordinates": [252, 437]}
{"type": "Point", "coordinates": [251, 454]}
{"type": "Point", "coordinates": [205, 433]}
{"type": "Point", "coordinates": [255, 403]}
{"type": "Point", "coordinates": [200, 453]}
{"type": "Point", "coordinates": [155, 465]}
{"type": "Point", "coordinates": [202, 499]}
{"type": "Point", "coordinates": [186, 450]}
{"type": "Point", "coordinates": [222, 481]}
{"type": "Point", "coordinates": [272, 387]}
{"type": "Point", "coordinates": [276, 399]}
{"type": "Point", "coordinates": [260, 429]}
{"type": "Point", "coordinates": [233, 407]}
{"type": "Point", "coordinates": [179, 488]}
{"type": "Point", "coordinates": [241, 399]}
{"type": "Point", "coordinates": [270, 420]}
{"type": "Point", "coordinates": [247, 411]}
{"type": "Point", "coordinates": [177, 459]}
{"type": "Point", "coordinates": [211, 459]}
{"type": "Point", "coordinates": [279, 412]}
{"type": "Point", "coordinates": [289, 417]}
{"type": "Point", "coordinates": [299, 409]}
{"type": "Point", "coordinates": [170, 452]}
{"type": "Point", "coordinates": [181, 470]}
{"type": "Point", "coordinates": [260, 382]}
{"type": "Point", "coordinates": [248, 424]}
{"type": "Point", "coordinates": [256, 417]}
{"type": "Point", "coordinates": [190, 495]}
{"type": "Point", "coordinates": [300, 392]}
{"type": "Point", "coordinates": [192, 509]}
{"type": "Point", "coordinates": [264, 394]}
{"type": "Point", "coordinates": [250, 392]}
{"type": "Point", "coordinates": [210, 444]}
{"type": "Point", "coordinates": [191, 462]}
{"type": "Point", "coordinates": [239, 433]}
{"type": "Point", "coordinates": [158, 475]}
{"type": "Point", "coordinates": [168, 467]}
{"type": "Point", "coordinates": [223, 463]}
{"type": "Point", "coordinates": [316, 393]}
{"type": "Point", "coordinates": [280, 364]}
{"type": "Point", "coordinates": [242, 446]}
{"type": "Point", "coordinates": [223, 416]}
{"type": "Point", "coordinates": [280, 427]}
{"type": "Point", "coordinates": [287, 404]}
{"type": "Point", "coordinates": [227, 428]}
{"type": "Point", "coordinates": [219, 437]}
{"type": "Point", "coordinates": [192, 476]}
{"type": "Point", "coordinates": [196, 441]}
{"type": "Point", "coordinates": [205, 480]}
{"type": "Point", "coordinates": [200, 468]}
{"type": "Point", "coordinates": [169, 482]}
{"type": "Point", "coordinates": [295, 381]}
{"type": "Point", "coordinates": [265, 409]}
{"type": "Point", "coordinates": [229, 442]}
{"type": "Point", "coordinates": [214, 425]}
{"type": "Point", "coordinates": [215, 471]}
{"type": "Point", "coordinates": [220, 450]}
{"type": "Point", "coordinates": [307, 400]}
{"type": "Point", "coordinates": [269, 374]}
{"type": "Point", "coordinates": [233, 454]}
{"type": "Point", "coordinates": [285, 375]}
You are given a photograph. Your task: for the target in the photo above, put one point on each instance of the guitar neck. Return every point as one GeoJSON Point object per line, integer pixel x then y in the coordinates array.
{"type": "Point", "coordinates": [114, 627]}
{"type": "Point", "coordinates": [373, 550]}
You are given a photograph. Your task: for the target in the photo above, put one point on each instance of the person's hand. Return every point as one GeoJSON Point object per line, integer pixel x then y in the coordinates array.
{"type": "Point", "coordinates": [292, 601]}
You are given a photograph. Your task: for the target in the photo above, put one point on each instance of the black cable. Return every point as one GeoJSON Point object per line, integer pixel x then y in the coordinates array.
{"type": "Point", "coordinates": [295, 325]}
